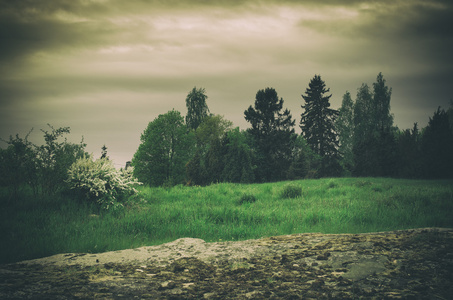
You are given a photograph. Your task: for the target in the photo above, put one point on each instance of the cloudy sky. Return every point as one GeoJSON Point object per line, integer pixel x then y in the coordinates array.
{"type": "Point", "coordinates": [106, 68]}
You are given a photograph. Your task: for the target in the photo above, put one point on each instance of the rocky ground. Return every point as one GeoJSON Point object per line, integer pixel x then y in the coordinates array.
{"type": "Point", "coordinates": [410, 264]}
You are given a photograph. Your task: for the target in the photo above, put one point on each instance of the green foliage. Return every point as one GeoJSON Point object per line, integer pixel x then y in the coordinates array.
{"type": "Point", "coordinates": [165, 148]}
{"type": "Point", "coordinates": [196, 172]}
{"type": "Point", "coordinates": [409, 153]}
{"type": "Point", "coordinates": [318, 126]}
{"type": "Point", "coordinates": [291, 191]}
{"type": "Point", "coordinates": [211, 129]}
{"type": "Point", "coordinates": [18, 164]}
{"type": "Point", "coordinates": [345, 128]}
{"type": "Point", "coordinates": [374, 143]}
{"type": "Point", "coordinates": [55, 157]}
{"type": "Point", "coordinates": [272, 133]}
{"type": "Point", "coordinates": [305, 162]}
{"type": "Point", "coordinates": [381, 104]}
{"type": "Point", "coordinates": [437, 146]}
{"type": "Point", "coordinates": [197, 109]}
{"type": "Point", "coordinates": [206, 165]}
{"type": "Point", "coordinates": [98, 181]}
{"type": "Point", "coordinates": [238, 158]}
{"type": "Point", "coordinates": [42, 168]}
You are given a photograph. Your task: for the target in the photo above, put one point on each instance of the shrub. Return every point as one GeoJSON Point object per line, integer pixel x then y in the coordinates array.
{"type": "Point", "coordinates": [291, 191]}
{"type": "Point", "coordinates": [249, 198]}
{"type": "Point", "coordinates": [100, 182]}
{"type": "Point", "coordinates": [332, 184]}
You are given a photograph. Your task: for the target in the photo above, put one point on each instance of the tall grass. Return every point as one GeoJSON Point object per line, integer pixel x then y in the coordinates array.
{"type": "Point", "coordinates": [33, 228]}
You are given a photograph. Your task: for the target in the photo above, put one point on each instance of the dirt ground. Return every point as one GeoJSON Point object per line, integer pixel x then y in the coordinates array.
{"type": "Point", "coordinates": [409, 264]}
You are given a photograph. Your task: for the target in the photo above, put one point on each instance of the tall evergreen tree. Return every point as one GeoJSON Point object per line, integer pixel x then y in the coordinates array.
{"type": "Point", "coordinates": [272, 132]}
{"type": "Point", "coordinates": [382, 118]}
{"type": "Point", "coordinates": [364, 135]}
{"type": "Point", "coordinates": [374, 143]}
{"type": "Point", "coordinates": [345, 129]}
{"type": "Point", "coordinates": [197, 109]}
{"type": "Point", "coordinates": [437, 147]}
{"type": "Point", "coordinates": [318, 125]}
{"type": "Point", "coordinates": [387, 146]}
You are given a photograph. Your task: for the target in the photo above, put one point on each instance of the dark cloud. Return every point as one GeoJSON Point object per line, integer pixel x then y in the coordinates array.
{"type": "Point", "coordinates": [108, 67]}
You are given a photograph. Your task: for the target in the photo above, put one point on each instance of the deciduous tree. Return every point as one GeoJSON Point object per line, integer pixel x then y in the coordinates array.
{"type": "Point", "coordinates": [18, 164]}
{"type": "Point", "coordinates": [197, 109]}
{"type": "Point", "coordinates": [55, 157]}
{"type": "Point", "coordinates": [238, 163]}
{"type": "Point", "coordinates": [166, 146]}
{"type": "Point", "coordinates": [272, 133]}
{"type": "Point", "coordinates": [206, 165]}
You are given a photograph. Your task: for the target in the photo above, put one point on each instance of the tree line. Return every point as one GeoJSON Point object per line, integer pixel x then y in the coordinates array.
{"type": "Point", "coordinates": [358, 139]}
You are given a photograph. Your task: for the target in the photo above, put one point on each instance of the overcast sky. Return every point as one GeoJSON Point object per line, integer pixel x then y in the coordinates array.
{"type": "Point", "coordinates": [106, 68]}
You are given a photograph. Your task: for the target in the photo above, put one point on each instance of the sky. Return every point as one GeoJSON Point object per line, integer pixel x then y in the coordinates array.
{"type": "Point", "coordinates": [106, 68]}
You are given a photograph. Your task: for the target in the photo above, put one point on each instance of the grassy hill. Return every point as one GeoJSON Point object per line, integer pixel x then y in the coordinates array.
{"type": "Point", "coordinates": [32, 228]}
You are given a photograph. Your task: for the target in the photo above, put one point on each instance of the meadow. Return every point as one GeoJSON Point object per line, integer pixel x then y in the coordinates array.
{"type": "Point", "coordinates": [33, 228]}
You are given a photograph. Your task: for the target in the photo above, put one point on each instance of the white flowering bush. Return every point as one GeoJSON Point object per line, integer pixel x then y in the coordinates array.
{"type": "Point", "coordinates": [99, 181]}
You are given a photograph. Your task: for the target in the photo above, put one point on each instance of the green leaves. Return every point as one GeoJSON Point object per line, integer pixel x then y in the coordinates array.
{"type": "Point", "coordinates": [374, 144]}
{"type": "Point", "coordinates": [165, 149]}
{"type": "Point", "coordinates": [197, 109]}
{"type": "Point", "coordinates": [272, 133]}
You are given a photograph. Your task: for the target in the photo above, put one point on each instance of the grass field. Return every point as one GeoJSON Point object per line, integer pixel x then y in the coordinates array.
{"type": "Point", "coordinates": [32, 228]}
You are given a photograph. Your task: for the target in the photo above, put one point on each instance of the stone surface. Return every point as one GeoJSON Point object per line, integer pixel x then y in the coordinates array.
{"type": "Point", "coordinates": [410, 264]}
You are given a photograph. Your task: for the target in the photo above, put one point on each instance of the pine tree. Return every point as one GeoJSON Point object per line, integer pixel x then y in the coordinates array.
{"type": "Point", "coordinates": [318, 125]}
{"type": "Point", "coordinates": [374, 142]}
{"type": "Point", "coordinates": [345, 128]}
{"type": "Point", "coordinates": [383, 120]}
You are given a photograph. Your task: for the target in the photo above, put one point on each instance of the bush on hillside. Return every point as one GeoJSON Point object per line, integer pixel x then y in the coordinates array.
{"type": "Point", "coordinates": [100, 182]}
{"type": "Point", "coordinates": [247, 198]}
{"type": "Point", "coordinates": [291, 191]}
